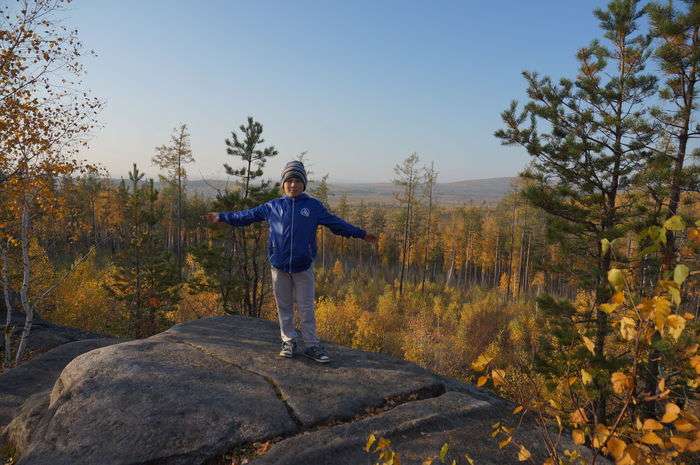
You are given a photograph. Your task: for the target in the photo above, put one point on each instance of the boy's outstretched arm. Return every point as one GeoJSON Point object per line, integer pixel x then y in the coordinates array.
{"type": "Point", "coordinates": [343, 228]}
{"type": "Point", "coordinates": [239, 218]}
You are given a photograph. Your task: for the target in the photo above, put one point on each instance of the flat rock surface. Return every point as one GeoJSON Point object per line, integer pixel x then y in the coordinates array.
{"type": "Point", "coordinates": [351, 384]}
{"type": "Point", "coordinates": [39, 374]}
{"type": "Point", "coordinates": [417, 430]}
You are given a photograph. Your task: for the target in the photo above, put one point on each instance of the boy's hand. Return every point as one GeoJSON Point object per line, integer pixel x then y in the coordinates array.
{"type": "Point", "coordinates": [211, 217]}
{"type": "Point", "coordinates": [371, 238]}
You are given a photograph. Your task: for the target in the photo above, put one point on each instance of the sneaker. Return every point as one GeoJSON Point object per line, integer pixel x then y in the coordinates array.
{"type": "Point", "coordinates": [288, 349]}
{"type": "Point", "coordinates": [317, 353]}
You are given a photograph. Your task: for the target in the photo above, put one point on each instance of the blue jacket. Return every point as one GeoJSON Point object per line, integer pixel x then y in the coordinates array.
{"type": "Point", "coordinates": [291, 244]}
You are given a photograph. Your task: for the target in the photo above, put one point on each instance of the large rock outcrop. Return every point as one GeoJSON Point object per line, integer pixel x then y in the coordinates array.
{"type": "Point", "coordinates": [205, 391]}
{"type": "Point", "coordinates": [39, 375]}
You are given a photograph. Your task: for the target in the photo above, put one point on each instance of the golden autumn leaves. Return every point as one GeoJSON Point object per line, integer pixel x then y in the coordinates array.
{"type": "Point", "coordinates": [387, 456]}
{"type": "Point", "coordinates": [633, 433]}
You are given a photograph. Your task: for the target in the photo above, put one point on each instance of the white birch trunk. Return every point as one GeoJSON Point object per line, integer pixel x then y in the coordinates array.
{"type": "Point", "coordinates": [24, 290]}
{"type": "Point", "coordinates": [8, 306]}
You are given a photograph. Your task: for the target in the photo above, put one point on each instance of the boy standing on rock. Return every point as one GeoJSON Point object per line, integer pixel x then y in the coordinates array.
{"type": "Point", "coordinates": [293, 219]}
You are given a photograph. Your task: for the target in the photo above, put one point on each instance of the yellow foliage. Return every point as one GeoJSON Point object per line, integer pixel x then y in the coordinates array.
{"type": "Point", "coordinates": [589, 344]}
{"type": "Point", "coordinates": [616, 447]}
{"type": "Point", "coordinates": [381, 330]}
{"type": "Point", "coordinates": [583, 301]}
{"type": "Point", "coordinates": [578, 417]}
{"type": "Point", "coordinates": [368, 334]}
{"type": "Point", "coordinates": [480, 363]}
{"type": "Point", "coordinates": [498, 377]}
{"type": "Point", "coordinates": [195, 305]}
{"type": "Point", "coordinates": [621, 383]}
{"type": "Point", "coordinates": [628, 328]}
{"type": "Point", "coordinates": [675, 324]}
{"type": "Point", "coordinates": [652, 439]}
{"type": "Point", "coordinates": [503, 283]}
{"type": "Point", "coordinates": [338, 269]}
{"type": "Point", "coordinates": [337, 322]}
{"type": "Point", "coordinates": [586, 377]}
{"type": "Point", "coordinates": [523, 454]}
{"type": "Point", "coordinates": [661, 309]}
{"type": "Point", "coordinates": [671, 413]}
{"type": "Point", "coordinates": [81, 301]}
{"type": "Point", "coordinates": [651, 425]}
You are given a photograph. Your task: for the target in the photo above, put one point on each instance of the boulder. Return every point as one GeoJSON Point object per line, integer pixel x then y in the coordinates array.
{"type": "Point", "coordinates": [149, 401]}
{"type": "Point", "coordinates": [39, 374]}
{"type": "Point", "coordinates": [205, 391]}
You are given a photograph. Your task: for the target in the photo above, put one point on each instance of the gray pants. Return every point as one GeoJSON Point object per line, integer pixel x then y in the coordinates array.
{"type": "Point", "coordinates": [299, 287]}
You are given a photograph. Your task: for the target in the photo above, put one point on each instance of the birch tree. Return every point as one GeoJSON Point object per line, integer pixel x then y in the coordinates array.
{"type": "Point", "coordinates": [407, 178]}
{"type": "Point", "coordinates": [45, 115]}
{"type": "Point", "coordinates": [172, 158]}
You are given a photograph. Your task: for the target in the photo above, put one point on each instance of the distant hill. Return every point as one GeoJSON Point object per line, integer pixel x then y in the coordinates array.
{"type": "Point", "coordinates": [473, 190]}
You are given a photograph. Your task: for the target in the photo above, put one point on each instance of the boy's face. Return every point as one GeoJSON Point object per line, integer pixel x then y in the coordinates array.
{"type": "Point", "coordinates": [293, 187]}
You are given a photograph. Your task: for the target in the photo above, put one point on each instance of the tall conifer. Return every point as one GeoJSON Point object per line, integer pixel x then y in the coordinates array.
{"type": "Point", "coordinates": [587, 137]}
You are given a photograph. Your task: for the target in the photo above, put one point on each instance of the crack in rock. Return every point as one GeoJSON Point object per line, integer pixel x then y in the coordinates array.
{"type": "Point", "coordinates": [278, 391]}
{"type": "Point", "coordinates": [259, 448]}
{"type": "Point", "coordinates": [255, 449]}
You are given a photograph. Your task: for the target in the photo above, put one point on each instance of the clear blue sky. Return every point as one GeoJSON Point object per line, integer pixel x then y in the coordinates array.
{"type": "Point", "coordinates": [358, 84]}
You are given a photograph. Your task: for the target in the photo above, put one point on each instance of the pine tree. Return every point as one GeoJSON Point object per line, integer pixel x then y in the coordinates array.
{"type": "Point", "coordinates": [595, 138]}
{"type": "Point", "coordinates": [679, 56]}
{"type": "Point", "coordinates": [145, 279]}
{"type": "Point", "coordinates": [237, 259]}
{"type": "Point", "coordinates": [250, 155]}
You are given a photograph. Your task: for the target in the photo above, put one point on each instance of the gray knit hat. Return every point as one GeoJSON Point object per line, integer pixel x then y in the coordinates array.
{"type": "Point", "coordinates": [294, 169]}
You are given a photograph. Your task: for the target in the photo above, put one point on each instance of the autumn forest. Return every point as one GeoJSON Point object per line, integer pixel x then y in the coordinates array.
{"type": "Point", "coordinates": [576, 296]}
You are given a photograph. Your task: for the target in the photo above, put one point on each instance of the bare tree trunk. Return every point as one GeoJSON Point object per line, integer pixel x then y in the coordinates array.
{"type": "Point", "coordinates": [526, 281]}
{"type": "Point", "coordinates": [179, 222]}
{"type": "Point", "coordinates": [495, 264]}
{"type": "Point", "coordinates": [467, 259]}
{"type": "Point", "coordinates": [8, 305]}
{"type": "Point", "coordinates": [517, 287]}
{"type": "Point", "coordinates": [24, 290]}
{"type": "Point", "coordinates": [512, 250]}
{"type": "Point", "coordinates": [431, 181]}
{"type": "Point", "coordinates": [448, 280]}
{"type": "Point", "coordinates": [404, 251]}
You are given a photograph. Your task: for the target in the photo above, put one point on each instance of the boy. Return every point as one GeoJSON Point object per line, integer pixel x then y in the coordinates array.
{"type": "Point", "coordinates": [293, 219]}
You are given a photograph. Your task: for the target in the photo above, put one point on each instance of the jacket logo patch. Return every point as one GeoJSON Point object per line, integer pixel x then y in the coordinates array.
{"type": "Point", "coordinates": [305, 212]}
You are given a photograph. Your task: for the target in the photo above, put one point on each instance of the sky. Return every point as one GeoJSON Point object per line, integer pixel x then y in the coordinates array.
{"type": "Point", "coordinates": [359, 85]}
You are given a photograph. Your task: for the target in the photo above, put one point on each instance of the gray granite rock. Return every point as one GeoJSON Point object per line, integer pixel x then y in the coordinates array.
{"type": "Point", "coordinates": [39, 374]}
{"type": "Point", "coordinates": [417, 430]}
{"type": "Point", "coordinates": [19, 432]}
{"type": "Point", "coordinates": [353, 383]}
{"type": "Point", "coordinates": [148, 401]}
{"type": "Point", "coordinates": [208, 389]}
